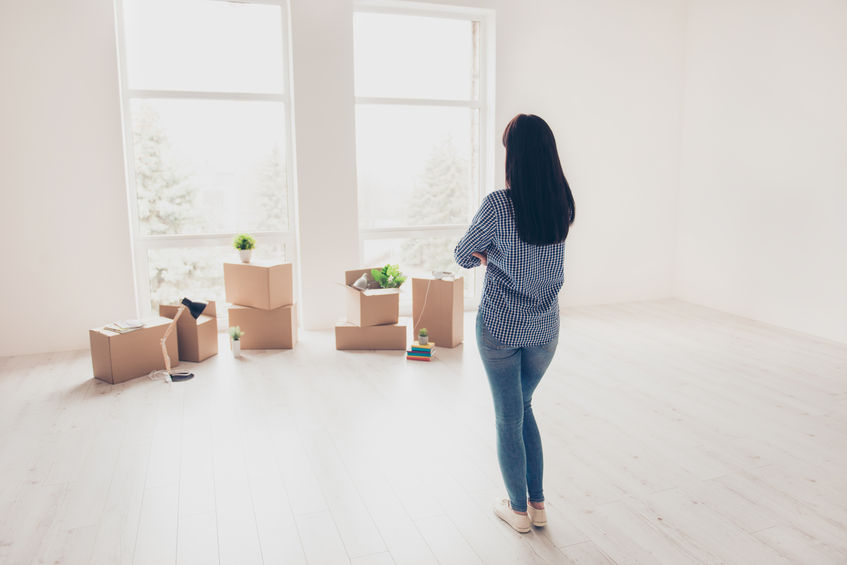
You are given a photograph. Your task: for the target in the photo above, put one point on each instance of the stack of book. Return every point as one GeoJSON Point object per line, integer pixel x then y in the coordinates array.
{"type": "Point", "coordinates": [124, 326]}
{"type": "Point", "coordinates": [420, 352]}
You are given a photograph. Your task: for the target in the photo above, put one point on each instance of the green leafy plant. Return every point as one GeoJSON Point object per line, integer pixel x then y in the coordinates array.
{"type": "Point", "coordinates": [389, 276]}
{"type": "Point", "coordinates": [423, 332]}
{"type": "Point", "coordinates": [244, 241]}
{"type": "Point", "coordinates": [235, 333]}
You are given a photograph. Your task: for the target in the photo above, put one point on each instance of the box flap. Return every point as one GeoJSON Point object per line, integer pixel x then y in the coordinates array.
{"type": "Point", "coordinates": [168, 310]}
{"type": "Point", "coordinates": [204, 319]}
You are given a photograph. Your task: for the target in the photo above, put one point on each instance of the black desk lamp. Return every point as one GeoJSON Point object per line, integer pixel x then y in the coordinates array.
{"type": "Point", "coordinates": [195, 309]}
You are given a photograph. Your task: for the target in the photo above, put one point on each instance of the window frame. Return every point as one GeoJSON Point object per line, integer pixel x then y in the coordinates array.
{"type": "Point", "coordinates": [142, 243]}
{"type": "Point", "coordinates": [484, 104]}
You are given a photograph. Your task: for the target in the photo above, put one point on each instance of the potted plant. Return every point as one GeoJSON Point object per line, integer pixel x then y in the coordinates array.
{"type": "Point", "coordinates": [423, 336]}
{"type": "Point", "coordinates": [245, 244]}
{"type": "Point", "coordinates": [235, 334]}
{"type": "Point", "coordinates": [389, 276]}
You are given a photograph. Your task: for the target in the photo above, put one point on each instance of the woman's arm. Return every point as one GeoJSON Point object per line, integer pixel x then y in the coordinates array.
{"type": "Point", "coordinates": [479, 236]}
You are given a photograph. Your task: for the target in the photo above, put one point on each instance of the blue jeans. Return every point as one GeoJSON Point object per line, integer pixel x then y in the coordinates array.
{"type": "Point", "coordinates": [513, 374]}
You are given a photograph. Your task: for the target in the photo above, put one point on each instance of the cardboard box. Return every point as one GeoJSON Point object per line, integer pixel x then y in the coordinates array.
{"type": "Point", "coordinates": [351, 336]}
{"type": "Point", "coordinates": [372, 307]}
{"type": "Point", "coordinates": [259, 285]}
{"type": "Point", "coordinates": [439, 306]}
{"type": "Point", "coordinates": [197, 339]}
{"type": "Point", "coordinates": [265, 329]}
{"type": "Point", "coordinates": [120, 357]}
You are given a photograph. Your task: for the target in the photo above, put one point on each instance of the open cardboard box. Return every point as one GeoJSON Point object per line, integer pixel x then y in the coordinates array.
{"type": "Point", "coordinates": [351, 336]}
{"type": "Point", "coordinates": [120, 357]}
{"type": "Point", "coordinates": [259, 285]}
{"type": "Point", "coordinates": [265, 329]}
{"type": "Point", "coordinates": [439, 306]}
{"type": "Point", "coordinates": [198, 339]}
{"type": "Point", "coordinates": [371, 307]}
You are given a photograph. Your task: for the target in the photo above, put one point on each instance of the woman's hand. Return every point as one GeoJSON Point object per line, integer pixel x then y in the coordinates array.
{"type": "Point", "coordinates": [483, 259]}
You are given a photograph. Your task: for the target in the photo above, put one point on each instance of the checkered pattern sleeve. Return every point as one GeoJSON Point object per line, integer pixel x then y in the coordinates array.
{"type": "Point", "coordinates": [479, 236]}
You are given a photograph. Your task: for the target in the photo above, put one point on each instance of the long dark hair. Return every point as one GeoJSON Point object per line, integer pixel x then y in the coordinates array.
{"type": "Point", "coordinates": [541, 196]}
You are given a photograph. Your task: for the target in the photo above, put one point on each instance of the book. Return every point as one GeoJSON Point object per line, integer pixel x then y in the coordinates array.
{"type": "Point", "coordinates": [426, 347]}
{"type": "Point", "coordinates": [414, 358]}
{"type": "Point", "coordinates": [124, 326]}
{"type": "Point", "coordinates": [419, 353]}
{"type": "Point", "coordinates": [118, 329]}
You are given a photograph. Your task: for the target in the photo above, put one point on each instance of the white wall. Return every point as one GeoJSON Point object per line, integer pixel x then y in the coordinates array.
{"type": "Point", "coordinates": [605, 75]}
{"type": "Point", "coordinates": [63, 208]}
{"type": "Point", "coordinates": [322, 38]}
{"type": "Point", "coordinates": [762, 229]}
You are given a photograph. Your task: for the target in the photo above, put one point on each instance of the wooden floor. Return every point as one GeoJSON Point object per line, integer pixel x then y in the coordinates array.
{"type": "Point", "coordinates": [672, 434]}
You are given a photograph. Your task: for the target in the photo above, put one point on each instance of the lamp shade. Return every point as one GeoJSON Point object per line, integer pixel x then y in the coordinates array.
{"type": "Point", "coordinates": [196, 308]}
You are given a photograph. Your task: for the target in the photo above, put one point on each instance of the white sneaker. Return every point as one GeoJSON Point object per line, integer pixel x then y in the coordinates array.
{"type": "Point", "coordinates": [538, 516]}
{"type": "Point", "coordinates": [520, 522]}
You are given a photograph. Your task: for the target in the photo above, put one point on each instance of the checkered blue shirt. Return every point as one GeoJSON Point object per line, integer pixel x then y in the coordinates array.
{"type": "Point", "coordinates": [520, 304]}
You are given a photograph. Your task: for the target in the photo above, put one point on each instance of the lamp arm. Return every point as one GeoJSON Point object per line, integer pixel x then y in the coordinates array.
{"type": "Point", "coordinates": [167, 334]}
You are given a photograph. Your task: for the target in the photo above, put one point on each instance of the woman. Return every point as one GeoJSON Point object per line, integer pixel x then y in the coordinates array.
{"type": "Point", "coordinates": [519, 234]}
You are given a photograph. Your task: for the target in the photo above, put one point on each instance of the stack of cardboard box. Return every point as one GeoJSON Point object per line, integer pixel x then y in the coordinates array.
{"type": "Point", "coordinates": [372, 316]}
{"type": "Point", "coordinates": [439, 305]}
{"type": "Point", "coordinates": [261, 297]}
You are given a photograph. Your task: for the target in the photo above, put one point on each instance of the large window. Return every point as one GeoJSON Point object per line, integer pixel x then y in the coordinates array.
{"type": "Point", "coordinates": [421, 110]}
{"type": "Point", "coordinates": [206, 106]}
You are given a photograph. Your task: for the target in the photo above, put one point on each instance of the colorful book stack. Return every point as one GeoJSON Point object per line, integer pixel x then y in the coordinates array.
{"type": "Point", "coordinates": [420, 352]}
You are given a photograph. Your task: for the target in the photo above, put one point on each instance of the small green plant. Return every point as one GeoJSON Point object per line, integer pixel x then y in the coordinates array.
{"type": "Point", "coordinates": [235, 333]}
{"type": "Point", "coordinates": [389, 276]}
{"type": "Point", "coordinates": [423, 332]}
{"type": "Point", "coordinates": [244, 241]}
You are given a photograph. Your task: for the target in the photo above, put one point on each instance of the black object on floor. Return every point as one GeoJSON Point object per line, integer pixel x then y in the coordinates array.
{"type": "Point", "coordinates": [179, 376]}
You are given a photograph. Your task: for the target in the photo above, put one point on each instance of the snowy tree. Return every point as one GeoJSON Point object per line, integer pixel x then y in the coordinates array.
{"type": "Point", "coordinates": [440, 197]}
{"type": "Point", "coordinates": [165, 197]}
{"type": "Point", "coordinates": [273, 192]}
{"type": "Point", "coordinates": [166, 206]}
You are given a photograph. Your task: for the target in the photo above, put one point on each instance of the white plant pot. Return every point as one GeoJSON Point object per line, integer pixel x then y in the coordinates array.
{"type": "Point", "coordinates": [423, 339]}
{"type": "Point", "coordinates": [236, 347]}
{"type": "Point", "coordinates": [245, 255]}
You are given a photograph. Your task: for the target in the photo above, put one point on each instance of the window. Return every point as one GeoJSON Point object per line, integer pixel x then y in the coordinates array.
{"type": "Point", "coordinates": [205, 95]}
{"type": "Point", "coordinates": [422, 107]}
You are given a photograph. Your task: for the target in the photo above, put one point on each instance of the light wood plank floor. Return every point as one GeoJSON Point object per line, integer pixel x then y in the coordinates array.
{"type": "Point", "coordinates": [672, 433]}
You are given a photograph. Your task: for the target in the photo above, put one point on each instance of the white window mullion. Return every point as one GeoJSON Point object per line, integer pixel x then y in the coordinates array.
{"type": "Point", "coordinates": [200, 95]}
{"type": "Point", "coordinates": [139, 263]}
{"type": "Point", "coordinates": [417, 102]}
{"type": "Point", "coordinates": [408, 8]}
{"type": "Point", "coordinates": [408, 232]}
